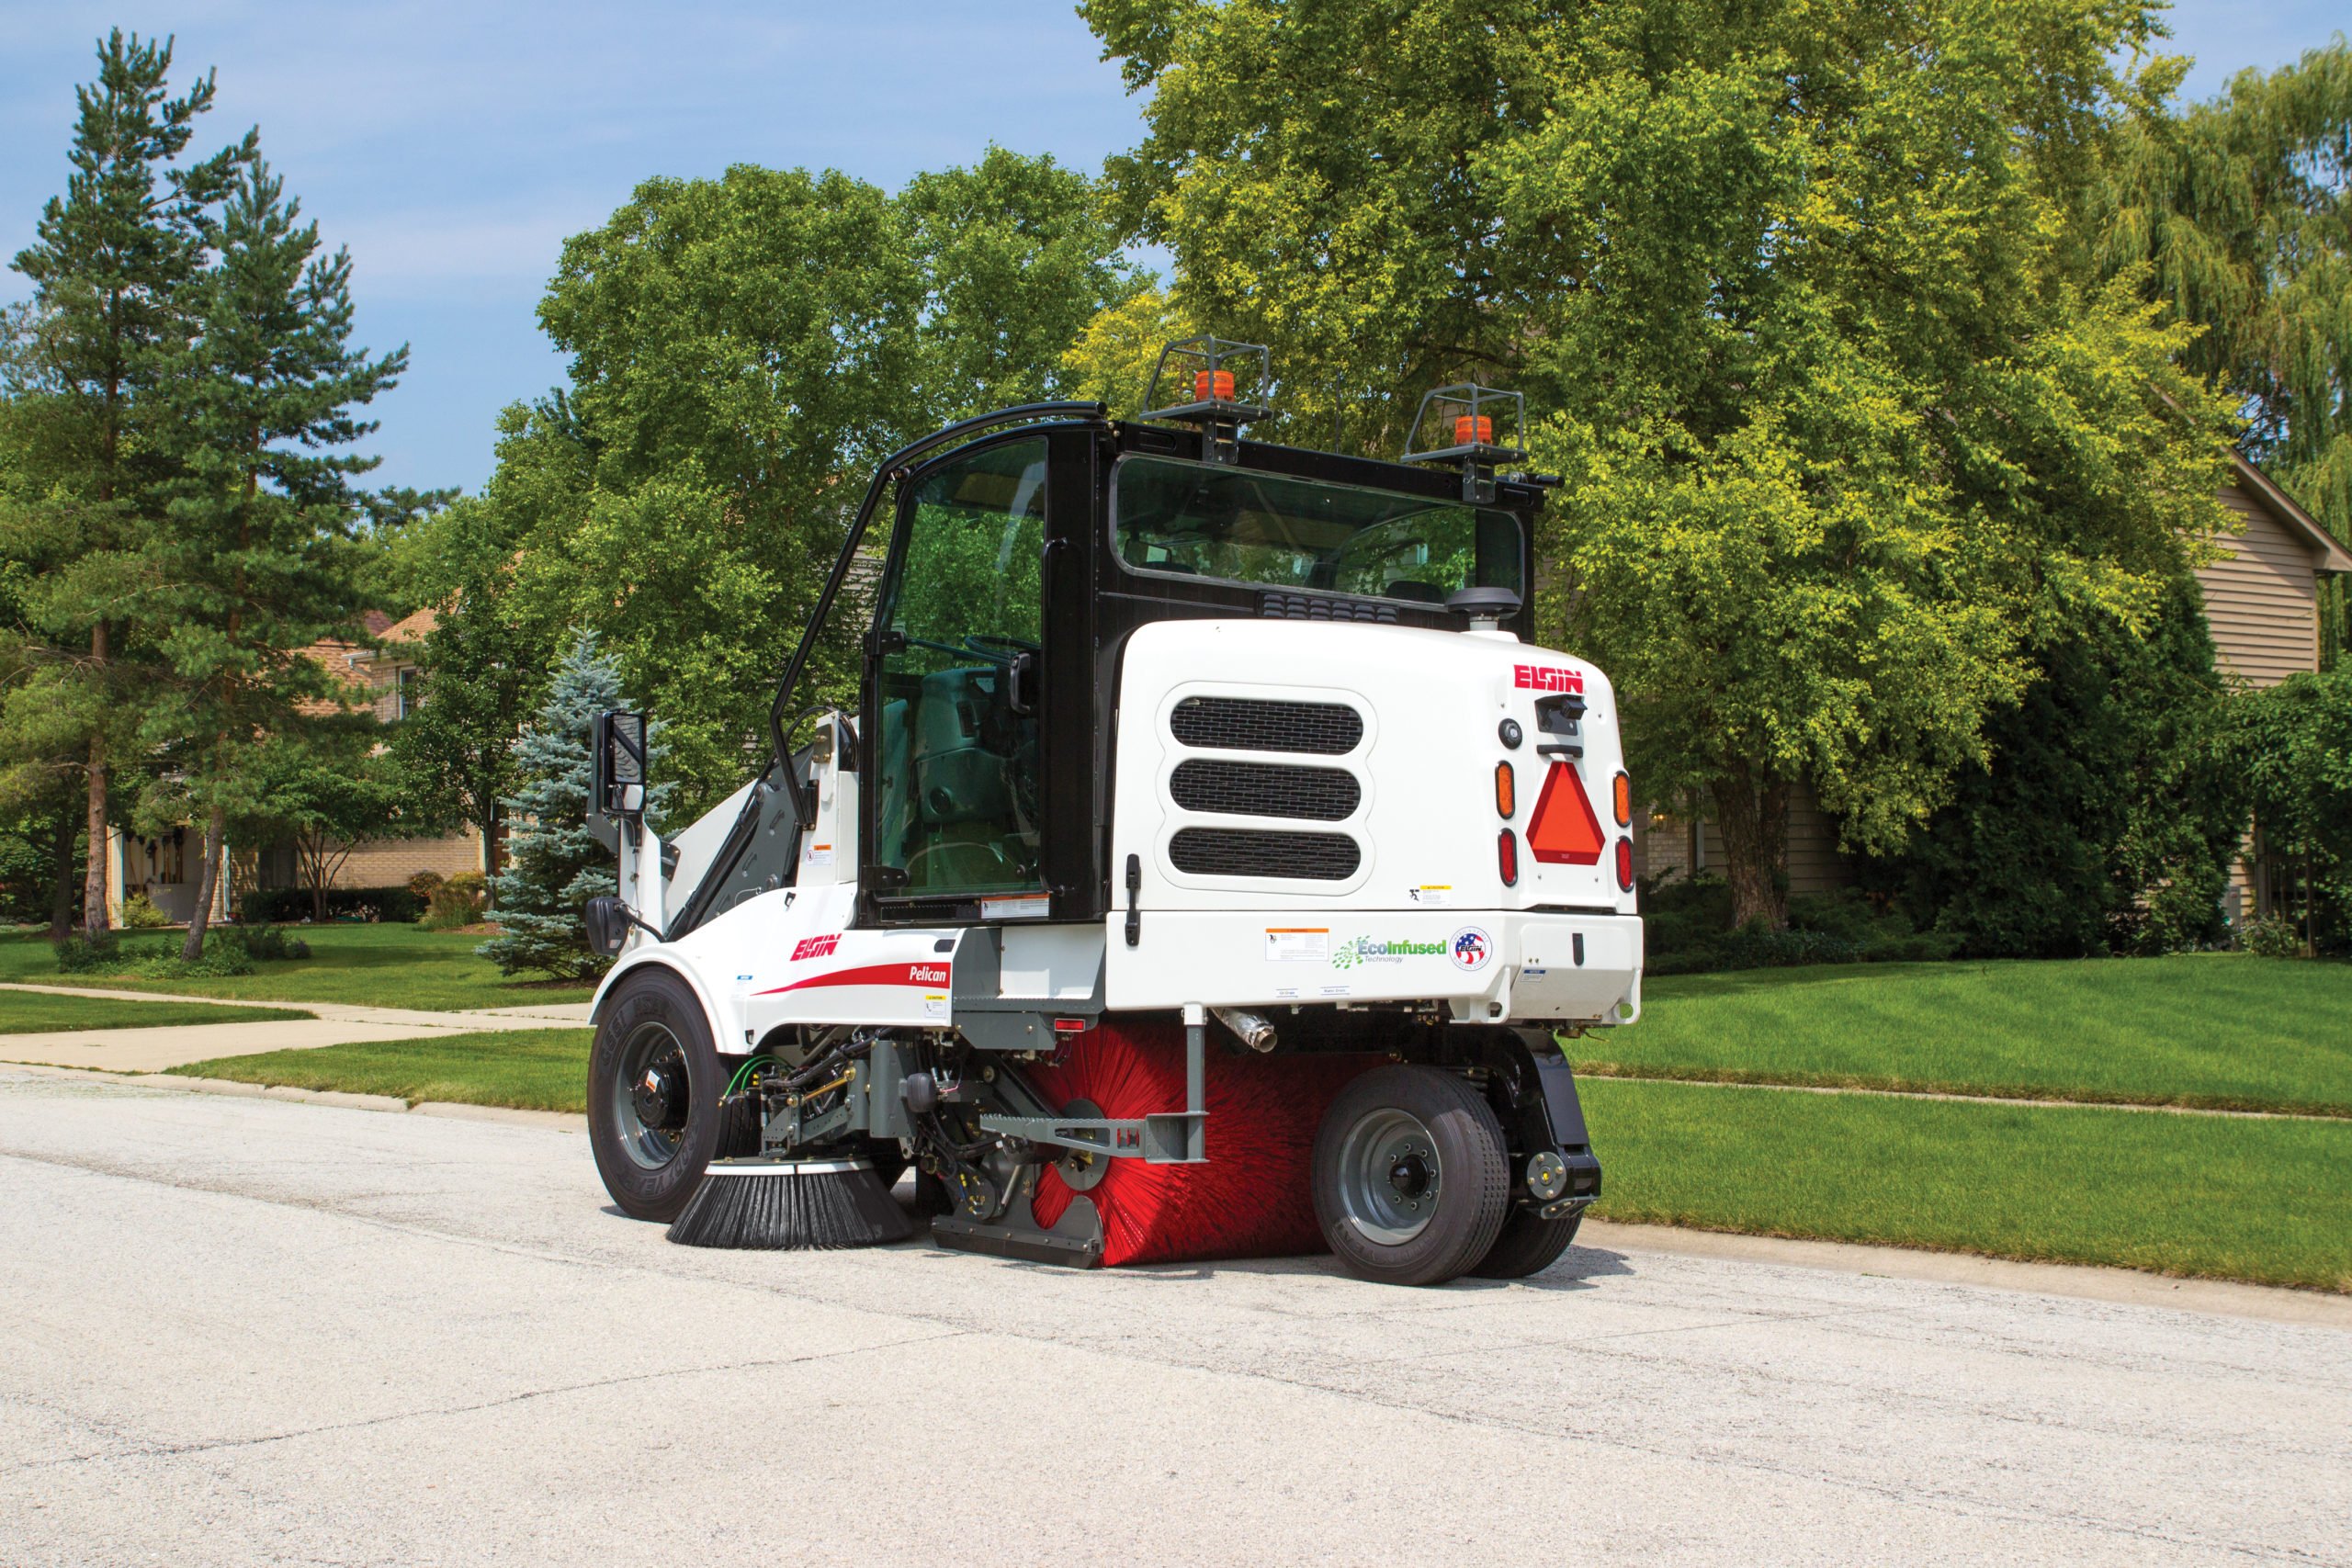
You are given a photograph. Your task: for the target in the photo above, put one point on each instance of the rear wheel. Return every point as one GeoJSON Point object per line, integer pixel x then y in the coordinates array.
{"type": "Point", "coordinates": [1411, 1176]}
{"type": "Point", "coordinates": [653, 1088]}
{"type": "Point", "coordinates": [1528, 1245]}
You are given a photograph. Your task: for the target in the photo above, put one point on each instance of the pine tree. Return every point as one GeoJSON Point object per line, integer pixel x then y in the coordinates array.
{"type": "Point", "coordinates": [253, 558]}
{"type": "Point", "coordinates": [112, 266]}
{"type": "Point", "coordinates": [556, 864]}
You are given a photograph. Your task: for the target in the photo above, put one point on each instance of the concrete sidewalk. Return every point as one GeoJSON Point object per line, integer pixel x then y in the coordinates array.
{"type": "Point", "coordinates": [333, 1024]}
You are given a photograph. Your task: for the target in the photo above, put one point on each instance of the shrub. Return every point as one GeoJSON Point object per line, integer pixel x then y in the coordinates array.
{"type": "Point", "coordinates": [423, 883]}
{"type": "Point", "coordinates": [457, 902]}
{"type": "Point", "coordinates": [2272, 939]}
{"type": "Point", "coordinates": [140, 914]}
{"type": "Point", "coordinates": [82, 955]}
{"type": "Point", "coordinates": [260, 943]}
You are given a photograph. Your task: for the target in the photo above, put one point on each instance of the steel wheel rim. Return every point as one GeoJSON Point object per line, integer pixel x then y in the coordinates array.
{"type": "Point", "coordinates": [651, 1048]}
{"type": "Point", "coordinates": [1390, 1177]}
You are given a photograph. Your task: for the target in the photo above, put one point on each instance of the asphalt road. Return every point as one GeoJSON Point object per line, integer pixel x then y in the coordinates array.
{"type": "Point", "coordinates": [236, 1331]}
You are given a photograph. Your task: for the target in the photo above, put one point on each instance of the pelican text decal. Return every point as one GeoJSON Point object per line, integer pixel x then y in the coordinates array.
{"type": "Point", "coordinates": [1536, 678]}
{"type": "Point", "coordinates": [816, 947]}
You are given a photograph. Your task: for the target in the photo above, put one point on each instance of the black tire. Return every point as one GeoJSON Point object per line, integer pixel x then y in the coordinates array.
{"type": "Point", "coordinates": [1528, 1245]}
{"type": "Point", "coordinates": [1394, 1138]}
{"type": "Point", "coordinates": [651, 1163]}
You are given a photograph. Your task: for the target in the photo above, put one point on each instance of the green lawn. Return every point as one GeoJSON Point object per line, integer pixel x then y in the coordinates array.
{"type": "Point", "coordinates": [2222, 1031]}
{"type": "Point", "coordinates": [538, 1069]}
{"type": "Point", "coordinates": [369, 966]}
{"type": "Point", "coordinates": [30, 1012]}
{"type": "Point", "coordinates": [2261, 1199]}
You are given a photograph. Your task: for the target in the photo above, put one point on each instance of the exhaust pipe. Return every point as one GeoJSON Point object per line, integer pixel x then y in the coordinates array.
{"type": "Point", "coordinates": [1254, 1030]}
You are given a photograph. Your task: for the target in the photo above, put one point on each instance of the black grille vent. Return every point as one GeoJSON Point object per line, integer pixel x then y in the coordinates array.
{"type": "Point", "coordinates": [1253, 852]}
{"type": "Point", "coordinates": [1303, 607]}
{"type": "Point", "coordinates": [1249, 724]}
{"type": "Point", "coordinates": [1265, 789]}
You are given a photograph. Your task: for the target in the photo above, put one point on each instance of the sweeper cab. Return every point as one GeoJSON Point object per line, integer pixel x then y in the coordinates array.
{"type": "Point", "coordinates": [1172, 845]}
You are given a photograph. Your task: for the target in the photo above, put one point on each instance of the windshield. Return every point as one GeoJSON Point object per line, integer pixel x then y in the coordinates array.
{"type": "Point", "coordinates": [1202, 520]}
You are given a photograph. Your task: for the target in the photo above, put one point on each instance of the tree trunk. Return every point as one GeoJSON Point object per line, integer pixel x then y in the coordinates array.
{"type": "Point", "coordinates": [207, 885]}
{"type": "Point", "coordinates": [1753, 823]}
{"type": "Point", "coordinates": [93, 884]}
{"type": "Point", "coordinates": [61, 907]}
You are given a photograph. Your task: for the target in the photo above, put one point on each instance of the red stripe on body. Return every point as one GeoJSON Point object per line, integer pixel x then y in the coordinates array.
{"type": "Point", "coordinates": [933, 975]}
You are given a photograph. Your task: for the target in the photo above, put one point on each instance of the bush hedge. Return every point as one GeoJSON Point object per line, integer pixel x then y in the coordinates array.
{"type": "Point", "coordinates": [284, 906]}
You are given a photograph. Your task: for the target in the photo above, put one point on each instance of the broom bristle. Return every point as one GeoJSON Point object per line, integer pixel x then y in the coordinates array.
{"type": "Point", "coordinates": [791, 1205]}
{"type": "Point", "coordinates": [1253, 1198]}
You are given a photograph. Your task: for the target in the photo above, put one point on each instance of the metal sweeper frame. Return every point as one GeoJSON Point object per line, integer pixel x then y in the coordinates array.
{"type": "Point", "coordinates": [1205, 866]}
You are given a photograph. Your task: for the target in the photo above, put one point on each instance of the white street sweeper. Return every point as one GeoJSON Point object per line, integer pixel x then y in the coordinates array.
{"type": "Point", "coordinates": [1207, 868]}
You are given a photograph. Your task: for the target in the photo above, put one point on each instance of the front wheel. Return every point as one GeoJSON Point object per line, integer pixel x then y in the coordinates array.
{"type": "Point", "coordinates": [1412, 1180]}
{"type": "Point", "coordinates": [653, 1088]}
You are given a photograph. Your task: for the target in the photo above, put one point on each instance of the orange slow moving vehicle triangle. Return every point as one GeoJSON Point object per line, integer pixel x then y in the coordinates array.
{"type": "Point", "coordinates": [1563, 831]}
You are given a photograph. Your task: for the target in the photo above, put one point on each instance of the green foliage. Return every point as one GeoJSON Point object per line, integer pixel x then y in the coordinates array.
{"type": "Point", "coordinates": [87, 954]}
{"type": "Point", "coordinates": [456, 903]}
{"type": "Point", "coordinates": [1687, 928]}
{"type": "Point", "coordinates": [2272, 939]}
{"type": "Point", "coordinates": [743, 350]}
{"type": "Point", "coordinates": [2232, 214]}
{"type": "Point", "coordinates": [1803, 303]}
{"type": "Point", "coordinates": [2107, 817]}
{"type": "Point", "coordinates": [261, 943]}
{"type": "Point", "coordinates": [140, 914]}
{"type": "Point", "coordinates": [556, 864]}
{"type": "Point", "coordinates": [2293, 744]}
{"type": "Point", "coordinates": [116, 265]}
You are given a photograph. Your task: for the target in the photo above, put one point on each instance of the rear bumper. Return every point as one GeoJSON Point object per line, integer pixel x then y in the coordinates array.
{"type": "Point", "coordinates": [1489, 964]}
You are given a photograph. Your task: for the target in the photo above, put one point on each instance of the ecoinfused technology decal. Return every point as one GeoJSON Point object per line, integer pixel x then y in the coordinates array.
{"type": "Point", "coordinates": [1382, 950]}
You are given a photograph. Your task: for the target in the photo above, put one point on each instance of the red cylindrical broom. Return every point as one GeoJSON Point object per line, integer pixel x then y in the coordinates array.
{"type": "Point", "coordinates": [1252, 1199]}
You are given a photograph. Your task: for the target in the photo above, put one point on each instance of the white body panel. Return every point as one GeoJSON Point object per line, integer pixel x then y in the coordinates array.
{"type": "Point", "coordinates": [1426, 916]}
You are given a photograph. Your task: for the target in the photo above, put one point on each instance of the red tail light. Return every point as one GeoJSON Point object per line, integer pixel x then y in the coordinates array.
{"type": "Point", "coordinates": [1507, 857]}
{"type": "Point", "coordinates": [1624, 866]}
{"type": "Point", "coordinates": [1563, 830]}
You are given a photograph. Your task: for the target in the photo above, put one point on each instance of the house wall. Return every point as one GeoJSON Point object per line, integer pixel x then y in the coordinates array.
{"type": "Point", "coordinates": [2262, 600]}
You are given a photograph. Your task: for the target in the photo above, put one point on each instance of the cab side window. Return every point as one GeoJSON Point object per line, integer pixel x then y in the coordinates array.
{"type": "Point", "coordinates": [955, 750]}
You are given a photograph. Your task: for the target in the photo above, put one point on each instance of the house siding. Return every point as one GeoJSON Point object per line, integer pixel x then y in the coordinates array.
{"type": "Point", "coordinates": [2262, 599]}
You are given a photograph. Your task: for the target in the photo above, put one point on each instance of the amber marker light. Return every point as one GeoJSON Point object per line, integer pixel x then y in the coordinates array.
{"type": "Point", "coordinates": [1213, 386]}
{"type": "Point", "coordinates": [1621, 794]}
{"type": "Point", "coordinates": [1506, 792]}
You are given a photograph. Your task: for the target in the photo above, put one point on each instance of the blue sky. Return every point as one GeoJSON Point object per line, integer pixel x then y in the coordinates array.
{"type": "Point", "coordinates": [452, 146]}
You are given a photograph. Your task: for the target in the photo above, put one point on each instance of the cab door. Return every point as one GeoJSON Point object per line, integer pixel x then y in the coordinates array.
{"type": "Point", "coordinates": [954, 796]}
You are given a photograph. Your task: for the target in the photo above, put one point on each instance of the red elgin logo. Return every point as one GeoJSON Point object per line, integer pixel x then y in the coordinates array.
{"type": "Point", "coordinates": [817, 947]}
{"type": "Point", "coordinates": [1536, 678]}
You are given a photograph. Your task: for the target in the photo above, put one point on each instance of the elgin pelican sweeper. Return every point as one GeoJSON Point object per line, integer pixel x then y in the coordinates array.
{"type": "Point", "coordinates": [1208, 869]}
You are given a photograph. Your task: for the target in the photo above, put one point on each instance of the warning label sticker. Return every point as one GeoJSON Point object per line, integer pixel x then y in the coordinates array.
{"type": "Point", "coordinates": [1297, 944]}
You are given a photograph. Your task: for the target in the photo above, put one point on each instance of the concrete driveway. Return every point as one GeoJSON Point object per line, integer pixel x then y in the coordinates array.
{"type": "Point", "coordinates": [238, 1331]}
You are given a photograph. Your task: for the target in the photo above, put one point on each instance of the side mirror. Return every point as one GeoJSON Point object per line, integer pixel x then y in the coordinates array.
{"type": "Point", "coordinates": [607, 924]}
{"type": "Point", "coordinates": [619, 748]}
